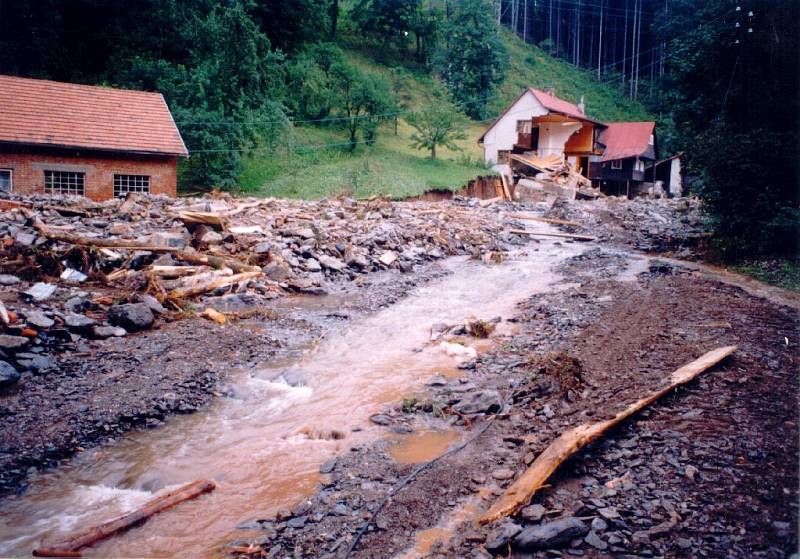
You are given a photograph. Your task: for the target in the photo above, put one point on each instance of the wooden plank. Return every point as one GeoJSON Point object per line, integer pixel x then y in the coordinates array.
{"type": "Point", "coordinates": [563, 235]}
{"type": "Point", "coordinates": [72, 546]}
{"type": "Point", "coordinates": [521, 491]}
{"type": "Point", "coordinates": [191, 291]}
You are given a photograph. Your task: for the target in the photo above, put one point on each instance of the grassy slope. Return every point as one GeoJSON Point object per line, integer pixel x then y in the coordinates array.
{"type": "Point", "coordinates": [393, 168]}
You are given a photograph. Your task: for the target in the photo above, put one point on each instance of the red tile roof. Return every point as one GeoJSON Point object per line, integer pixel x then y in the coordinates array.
{"type": "Point", "coordinates": [554, 104]}
{"type": "Point", "coordinates": [626, 139]}
{"type": "Point", "coordinates": [43, 112]}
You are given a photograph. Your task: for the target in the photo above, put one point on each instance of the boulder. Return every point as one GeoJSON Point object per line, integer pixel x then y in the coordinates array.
{"type": "Point", "coordinates": [8, 375]}
{"type": "Point", "coordinates": [40, 292]}
{"type": "Point", "coordinates": [8, 279]}
{"type": "Point", "coordinates": [13, 342]}
{"type": "Point", "coordinates": [38, 319]}
{"type": "Point", "coordinates": [480, 401]}
{"type": "Point", "coordinates": [79, 323]}
{"type": "Point", "coordinates": [152, 303]}
{"type": "Point", "coordinates": [331, 263]}
{"type": "Point", "coordinates": [500, 537]}
{"type": "Point", "coordinates": [551, 534]}
{"type": "Point", "coordinates": [131, 316]}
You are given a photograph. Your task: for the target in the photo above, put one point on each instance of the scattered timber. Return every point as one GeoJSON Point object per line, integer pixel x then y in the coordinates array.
{"type": "Point", "coordinates": [521, 491]}
{"type": "Point", "coordinates": [562, 235]}
{"type": "Point", "coordinates": [72, 546]}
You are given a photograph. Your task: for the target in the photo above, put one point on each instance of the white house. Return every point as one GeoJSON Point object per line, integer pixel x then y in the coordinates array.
{"type": "Point", "coordinates": [540, 124]}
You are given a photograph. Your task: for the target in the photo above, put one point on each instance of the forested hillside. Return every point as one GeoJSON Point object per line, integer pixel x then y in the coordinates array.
{"type": "Point", "coordinates": [313, 97]}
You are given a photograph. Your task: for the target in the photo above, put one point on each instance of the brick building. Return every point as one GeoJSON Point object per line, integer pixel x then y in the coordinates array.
{"type": "Point", "coordinates": [99, 142]}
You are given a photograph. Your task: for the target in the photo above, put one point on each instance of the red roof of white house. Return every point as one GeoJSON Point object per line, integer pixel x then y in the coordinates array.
{"type": "Point", "coordinates": [548, 101]}
{"type": "Point", "coordinates": [626, 139]}
{"type": "Point", "coordinates": [48, 113]}
{"type": "Point", "coordinates": [552, 103]}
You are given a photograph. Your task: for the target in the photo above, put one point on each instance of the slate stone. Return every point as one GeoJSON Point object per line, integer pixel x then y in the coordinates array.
{"type": "Point", "coordinates": [480, 401]}
{"type": "Point", "coordinates": [551, 534]}
{"type": "Point", "coordinates": [8, 375]}
{"type": "Point", "coordinates": [131, 316]}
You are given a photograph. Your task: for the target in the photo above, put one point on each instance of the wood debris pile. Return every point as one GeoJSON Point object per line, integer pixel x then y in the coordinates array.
{"type": "Point", "coordinates": [71, 267]}
{"type": "Point", "coordinates": [555, 175]}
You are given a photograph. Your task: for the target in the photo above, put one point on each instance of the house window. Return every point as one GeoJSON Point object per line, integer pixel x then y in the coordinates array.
{"type": "Point", "coordinates": [123, 184]}
{"type": "Point", "coordinates": [616, 164]}
{"type": "Point", "coordinates": [652, 140]}
{"type": "Point", "coordinates": [64, 182]}
{"type": "Point", "coordinates": [523, 127]}
{"type": "Point", "coordinates": [640, 165]}
{"type": "Point", "coordinates": [6, 180]}
{"type": "Point", "coordinates": [502, 156]}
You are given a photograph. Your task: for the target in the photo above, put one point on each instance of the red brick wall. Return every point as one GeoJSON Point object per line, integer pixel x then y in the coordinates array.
{"type": "Point", "coordinates": [28, 170]}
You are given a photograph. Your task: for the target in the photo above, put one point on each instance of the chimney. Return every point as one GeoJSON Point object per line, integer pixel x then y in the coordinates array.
{"type": "Point", "coordinates": [550, 90]}
{"type": "Point", "coordinates": [582, 106]}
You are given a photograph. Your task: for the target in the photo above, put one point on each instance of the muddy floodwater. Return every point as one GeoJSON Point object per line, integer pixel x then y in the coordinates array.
{"type": "Point", "coordinates": [263, 444]}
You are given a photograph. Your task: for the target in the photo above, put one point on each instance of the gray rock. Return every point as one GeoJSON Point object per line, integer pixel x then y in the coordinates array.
{"type": "Point", "coordinates": [340, 510]}
{"type": "Point", "coordinates": [503, 474]}
{"type": "Point", "coordinates": [599, 525]}
{"type": "Point", "coordinates": [131, 316]}
{"type": "Point", "coordinates": [296, 522]}
{"type": "Point", "coordinates": [262, 248]}
{"type": "Point", "coordinates": [609, 513]}
{"type": "Point", "coordinates": [38, 319]}
{"type": "Point", "coordinates": [278, 270]}
{"type": "Point", "coordinates": [312, 265]}
{"type": "Point", "coordinates": [79, 323]}
{"type": "Point", "coordinates": [481, 401]}
{"type": "Point", "coordinates": [73, 276]}
{"type": "Point", "coordinates": [331, 263]}
{"type": "Point", "coordinates": [8, 279]}
{"type": "Point", "coordinates": [8, 375]}
{"type": "Point", "coordinates": [40, 291]}
{"type": "Point", "coordinates": [152, 303]}
{"type": "Point", "coordinates": [38, 364]}
{"type": "Point", "coordinates": [551, 534]}
{"type": "Point", "coordinates": [211, 238]}
{"type": "Point", "coordinates": [23, 238]}
{"type": "Point", "coordinates": [357, 261]}
{"type": "Point", "coordinates": [13, 342]}
{"type": "Point", "coordinates": [108, 331]}
{"type": "Point", "coordinates": [500, 537]}
{"type": "Point", "coordinates": [594, 540]}
{"type": "Point", "coordinates": [327, 467]}
{"type": "Point", "coordinates": [533, 513]}
{"type": "Point", "coordinates": [305, 233]}
{"type": "Point", "coordinates": [168, 239]}
{"type": "Point", "coordinates": [380, 419]}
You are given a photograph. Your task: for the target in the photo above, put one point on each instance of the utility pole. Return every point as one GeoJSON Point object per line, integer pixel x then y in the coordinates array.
{"type": "Point", "coordinates": [625, 46]}
{"type": "Point", "coordinates": [600, 46]}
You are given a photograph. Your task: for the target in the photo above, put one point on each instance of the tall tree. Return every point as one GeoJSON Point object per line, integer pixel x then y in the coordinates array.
{"type": "Point", "coordinates": [472, 61]}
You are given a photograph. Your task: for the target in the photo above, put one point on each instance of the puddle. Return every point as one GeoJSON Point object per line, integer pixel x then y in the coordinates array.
{"type": "Point", "coordinates": [256, 445]}
{"type": "Point", "coordinates": [422, 446]}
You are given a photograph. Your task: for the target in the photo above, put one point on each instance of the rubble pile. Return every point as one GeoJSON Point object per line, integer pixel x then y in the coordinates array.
{"type": "Point", "coordinates": [73, 269]}
{"type": "Point", "coordinates": [651, 225]}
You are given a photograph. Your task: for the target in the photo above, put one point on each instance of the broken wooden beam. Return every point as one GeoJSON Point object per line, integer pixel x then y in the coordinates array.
{"type": "Point", "coordinates": [562, 235]}
{"type": "Point", "coordinates": [72, 546]}
{"type": "Point", "coordinates": [191, 291]}
{"type": "Point", "coordinates": [521, 491]}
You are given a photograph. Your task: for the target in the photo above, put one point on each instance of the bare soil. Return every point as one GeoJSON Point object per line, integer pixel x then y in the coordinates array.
{"type": "Point", "coordinates": [709, 471]}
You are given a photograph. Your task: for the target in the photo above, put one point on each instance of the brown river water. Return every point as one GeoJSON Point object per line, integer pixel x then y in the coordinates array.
{"type": "Point", "coordinates": [264, 445]}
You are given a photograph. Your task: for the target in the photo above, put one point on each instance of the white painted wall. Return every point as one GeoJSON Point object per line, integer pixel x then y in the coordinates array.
{"type": "Point", "coordinates": [675, 180]}
{"type": "Point", "coordinates": [553, 136]}
{"type": "Point", "coordinates": [503, 134]}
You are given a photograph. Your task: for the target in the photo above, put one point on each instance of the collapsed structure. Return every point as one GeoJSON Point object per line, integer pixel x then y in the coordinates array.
{"type": "Point", "coordinates": [545, 142]}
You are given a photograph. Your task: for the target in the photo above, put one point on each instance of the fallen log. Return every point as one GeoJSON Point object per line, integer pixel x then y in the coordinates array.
{"type": "Point", "coordinates": [202, 218]}
{"type": "Point", "coordinates": [563, 235]}
{"type": "Point", "coordinates": [72, 546]}
{"type": "Point", "coordinates": [520, 492]}
{"type": "Point", "coordinates": [191, 291]}
{"type": "Point", "coordinates": [179, 253]}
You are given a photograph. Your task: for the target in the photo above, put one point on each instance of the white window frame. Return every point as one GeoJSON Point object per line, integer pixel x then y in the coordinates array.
{"type": "Point", "coordinates": [123, 184]}
{"type": "Point", "coordinates": [503, 156]}
{"type": "Point", "coordinates": [616, 165]}
{"type": "Point", "coordinates": [652, 139]}
{"type": "Point", "coordinates": [76, 187]}
{"type": "Point", "coordinates": [10, 179]}
{"type": "Point", "coordinates": [527, 125]}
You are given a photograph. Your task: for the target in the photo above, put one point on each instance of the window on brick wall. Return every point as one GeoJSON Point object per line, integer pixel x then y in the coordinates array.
{"type": "Point", "coordinates": [6, 180]}
{"type": "Point", "coordinates": [123, 184]}
{"type": "Point", "coordinates": [64, 182]}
